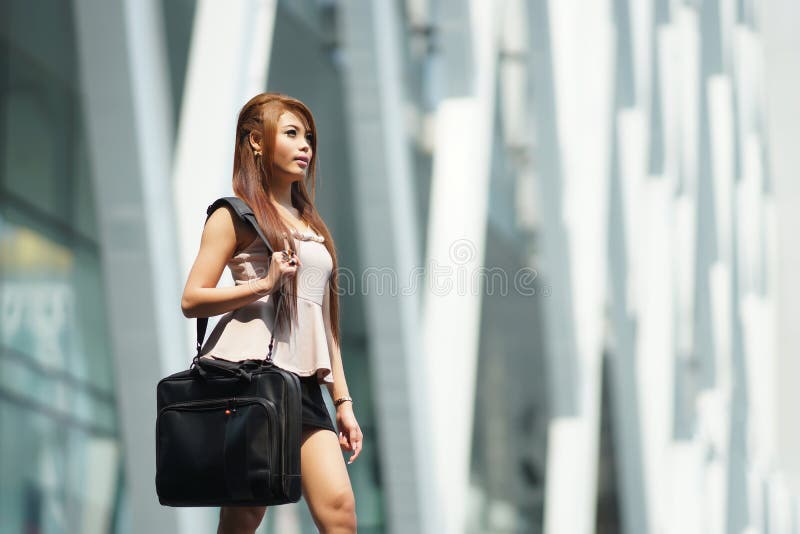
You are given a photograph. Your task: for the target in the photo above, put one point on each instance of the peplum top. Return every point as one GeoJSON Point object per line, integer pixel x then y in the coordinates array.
{"type": "Point", "coordinates": [245, 332]}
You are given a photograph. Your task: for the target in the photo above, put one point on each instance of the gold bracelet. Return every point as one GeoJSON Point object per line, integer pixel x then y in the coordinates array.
{"type": "Point", "coordinates": [341, 400]}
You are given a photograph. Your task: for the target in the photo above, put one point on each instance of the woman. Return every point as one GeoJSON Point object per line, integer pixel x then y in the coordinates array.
{"type": "Point", "coordinates": [275, 154]}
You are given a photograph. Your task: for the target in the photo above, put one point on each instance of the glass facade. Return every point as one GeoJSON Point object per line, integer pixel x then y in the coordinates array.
{"type": "Point", "coordinates": [59, 451]}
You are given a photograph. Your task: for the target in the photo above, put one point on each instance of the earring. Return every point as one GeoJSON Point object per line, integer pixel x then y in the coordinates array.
{"type": "Point", "coordinates": [257, 153]}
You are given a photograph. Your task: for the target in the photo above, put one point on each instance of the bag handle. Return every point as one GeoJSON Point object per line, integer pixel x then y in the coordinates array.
{"type": "Point", "coordinates": [241, 370]}
{"type": "Point", "coordinates": [246, 215]}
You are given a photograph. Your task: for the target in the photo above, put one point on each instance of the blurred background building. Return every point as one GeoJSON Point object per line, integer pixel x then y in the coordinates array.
{"type": "Point", "coordinates": [567, 233]}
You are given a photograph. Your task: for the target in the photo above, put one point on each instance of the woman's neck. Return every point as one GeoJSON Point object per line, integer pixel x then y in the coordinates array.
{"type": "Point", "coordinates": [282, 194]}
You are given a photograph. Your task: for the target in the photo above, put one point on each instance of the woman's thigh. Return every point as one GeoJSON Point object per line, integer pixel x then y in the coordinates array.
{"type": "Point", "coordinates": [235, 519]}
{"type": "Point", "coordinates": [326, 483]}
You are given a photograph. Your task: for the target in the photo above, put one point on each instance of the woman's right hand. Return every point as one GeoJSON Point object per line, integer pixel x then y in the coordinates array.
{"type": "Point", "coordinates": [282, 267]}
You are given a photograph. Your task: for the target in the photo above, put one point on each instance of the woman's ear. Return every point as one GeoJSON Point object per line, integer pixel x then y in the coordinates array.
{"type": "Point", "coordinates": [255, 141]}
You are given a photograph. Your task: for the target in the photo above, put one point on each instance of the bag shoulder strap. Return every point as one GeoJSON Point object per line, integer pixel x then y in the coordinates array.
{"type": "Point", "coordinates": [238, 205]}
{"type": "Point", "coordinates": [246, 215]}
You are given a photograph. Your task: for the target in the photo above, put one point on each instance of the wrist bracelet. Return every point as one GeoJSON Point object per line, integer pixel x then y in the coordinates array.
{"type": "Point", "coordinates": [341, 400]}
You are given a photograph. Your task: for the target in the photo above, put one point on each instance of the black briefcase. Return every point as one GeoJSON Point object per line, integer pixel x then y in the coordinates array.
{"type": "Point", "coordinates": [228, 433]}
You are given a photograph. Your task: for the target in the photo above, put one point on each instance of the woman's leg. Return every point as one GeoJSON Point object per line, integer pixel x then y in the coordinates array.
{"type": "Point", "coordinates": [326, 483]}
{"type": "Point", "coordinates": [240, 519]}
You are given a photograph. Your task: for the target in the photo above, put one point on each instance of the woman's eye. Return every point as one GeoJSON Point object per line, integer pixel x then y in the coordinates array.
{"type": "Point", "coordinates": [309, 137]}
{"type": "Point", "coordinates": [291, 132]}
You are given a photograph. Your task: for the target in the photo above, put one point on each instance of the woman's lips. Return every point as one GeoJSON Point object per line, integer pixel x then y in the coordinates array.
{"type": "Point", "coordinates": [303, 163]}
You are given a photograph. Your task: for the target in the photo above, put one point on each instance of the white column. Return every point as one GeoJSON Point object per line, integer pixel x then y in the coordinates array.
{"type": "Point", "coordinates": [456, 243]}
{"type": "Point", "coordinates": [782, 72]}
{"type": "Point", "coordinates": [573, 98]}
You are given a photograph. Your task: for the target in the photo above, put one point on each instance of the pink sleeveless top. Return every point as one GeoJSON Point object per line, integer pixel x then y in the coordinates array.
{"type": "Point", "coordinates": [245, 332]}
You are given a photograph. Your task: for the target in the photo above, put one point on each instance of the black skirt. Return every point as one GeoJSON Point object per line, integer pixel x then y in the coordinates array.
{"type": "Point", "coordinates": [315, 413]}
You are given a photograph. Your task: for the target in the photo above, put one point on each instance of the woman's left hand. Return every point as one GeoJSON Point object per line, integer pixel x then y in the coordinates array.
{"type": "Point", "coordinates": [350, 436]}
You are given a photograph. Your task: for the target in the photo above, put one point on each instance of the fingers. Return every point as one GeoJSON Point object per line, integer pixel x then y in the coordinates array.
{"type": "Point", "coordinates": [288, 255]}
{"type": "Point", "coordinates": [356, 445]}
{"type": "Point", "coordinates": [352, 440]}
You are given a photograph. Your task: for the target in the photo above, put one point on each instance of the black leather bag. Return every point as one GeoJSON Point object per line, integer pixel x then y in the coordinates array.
{"type": "Point", "coordinates": [228, 433]}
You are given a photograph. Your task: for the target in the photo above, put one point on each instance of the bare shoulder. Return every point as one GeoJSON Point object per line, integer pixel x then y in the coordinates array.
{"type": "Point", "coordinates": [226, 229]}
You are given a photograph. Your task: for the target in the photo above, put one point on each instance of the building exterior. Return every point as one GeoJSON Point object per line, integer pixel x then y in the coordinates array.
{"type": "Point", "coordinates": [565, 236]}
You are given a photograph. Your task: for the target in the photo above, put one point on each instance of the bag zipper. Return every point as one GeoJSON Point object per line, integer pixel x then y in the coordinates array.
{"type": "Point", "coordinates": [233, 403]}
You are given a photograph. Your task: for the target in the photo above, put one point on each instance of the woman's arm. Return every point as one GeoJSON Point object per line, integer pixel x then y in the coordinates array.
{"type": "Point", "coordinates": [350, 436]}
{"type": "Point", "coordinates": [201, 297]}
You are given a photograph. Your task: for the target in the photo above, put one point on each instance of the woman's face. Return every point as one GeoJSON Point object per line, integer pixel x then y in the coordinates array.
{"type": "Point", "coordinates": [292, 147]}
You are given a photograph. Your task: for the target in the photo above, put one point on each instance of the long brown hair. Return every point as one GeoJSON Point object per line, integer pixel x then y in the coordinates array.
{"type": "Point", "coordinates": [252, 179]}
